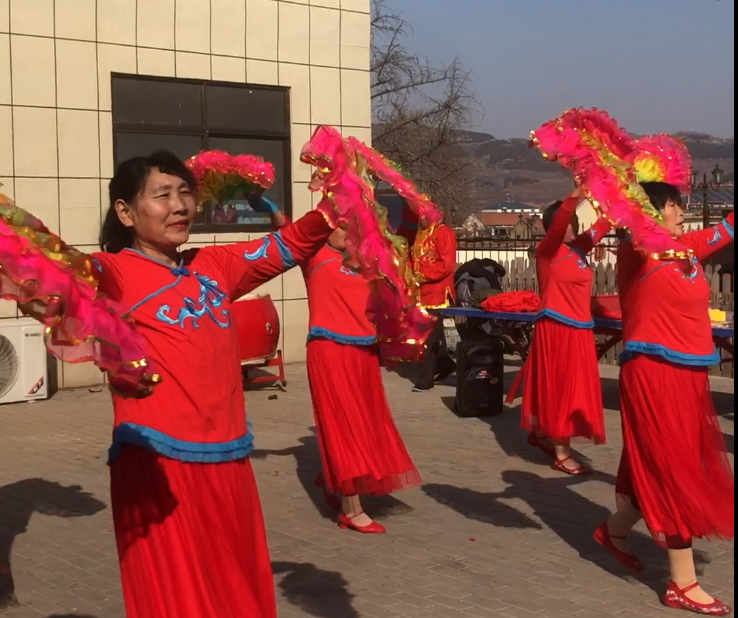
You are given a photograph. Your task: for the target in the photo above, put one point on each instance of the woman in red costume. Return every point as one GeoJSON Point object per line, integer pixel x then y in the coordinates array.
{"type": "Point", "coordinates": [361, 450]}
{"type": "Point", "coordinates": [186, 510]}
{"type": "Point", "coordinates": [562, 397]}
{"type": "Point", "coordinates": [674, 472]}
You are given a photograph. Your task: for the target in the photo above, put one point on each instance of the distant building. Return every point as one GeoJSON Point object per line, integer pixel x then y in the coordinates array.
{"type": "Point", "coordinates": [510, 206]}
{"type": "Point", "coordinates": [512, 225]}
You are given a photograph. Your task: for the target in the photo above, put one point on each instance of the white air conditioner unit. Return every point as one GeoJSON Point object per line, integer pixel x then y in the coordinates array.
{"type": "Point", "coordinates": [23, 370]}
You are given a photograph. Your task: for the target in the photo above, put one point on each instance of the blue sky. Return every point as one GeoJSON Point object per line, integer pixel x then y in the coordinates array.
{"type": "Point", "coordinates": [656, 65]}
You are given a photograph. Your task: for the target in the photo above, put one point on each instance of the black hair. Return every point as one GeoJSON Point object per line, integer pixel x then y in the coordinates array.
{"type": "Point", "coordinates": [127, 184]}
{"type": "Point", "coordinates": [661, 193]}
{"type": "Point", "coordinates": [550, 213]}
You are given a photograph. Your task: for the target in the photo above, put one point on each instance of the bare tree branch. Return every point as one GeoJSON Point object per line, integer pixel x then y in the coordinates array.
{"type": "Point", "coordinates": [419, 111]}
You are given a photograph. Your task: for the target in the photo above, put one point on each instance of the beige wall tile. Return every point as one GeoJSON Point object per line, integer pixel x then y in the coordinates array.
{"type": "Point", "coordinates": [262, 72]}
{"type": "Point", "coordinates": [363, 6]}
{"type": "Point", "coordinates": [34, 139]}
{"type": "Point", "coordinates": [325, 36]}
{"type": "Point", "coordinates": [116, 21]}
{"type": "Point", "coordinates": [6, 142]}
{"type": "Point", "coordinates": [294, 329]}
{"type": "Point", "coordinates": [224, 239]}
{"type": "Point", "coordinates": [228, 28]}
{"type": "Point", "coordinates": [8, 310]}
{"type": "Point", "coordinates": [79, 150]}
{"type": "Point", "coordinates": [40, 196]}
{"type": "Point", "coordinates": [79, 211]}
{"type": "Point", "coordinates": [316, 197]}
{"type": "Point", "coordinates": [6, 93]}
{"type": "Point", "coordinates": [158, 62]}
{"type": "Point", "coordinates": [112, 59]}
{"type": "Point", "coordinates": [362, 133]}
{"type": "Point", "coordinates": [5, 16]}
{"type": "Point", "coordinates": [355, 40]}
{"type": "Point", "coordinates": [104, 198]}
{"type": "Point", "coordinates": [333, 4]}
{"type": "Point", "coordinates": [297, 77]}
{"type": "Point", "coordinates": [106, 144]}
{"type": "Point", "coordinates": [229, 69]}
{"type": "Point", "coordinates": [193, 66]}
{"type": "Point", "coordinates": [294, 33]}
{"type": "Point", "coordinates": [262, 23]}
{"type": "Point", "coordinates": [76, 74]}
{"type": "Point", "coordinates": [325, 95]}
{"type": "Point", "coordinates": [293, 285]}
{"type": "Point", "coordinates": [76, 375]}
{"type": "Point", "coordinates": [75, 19]}
{"type": "Point", "coordinates": [302, 202]}
{"type": "Point", "coordinates": [32, 17]}
{"type": "Point", "coordinates": [193, 26]}
{"type": "Point", "coordinates": [356, 101]}
{"type": "Point", "coordinates": [301, 172]}
{"type": "Point", "coordinates": [34, 72]}
{"type": "Point", "coordinates": [155, 24]}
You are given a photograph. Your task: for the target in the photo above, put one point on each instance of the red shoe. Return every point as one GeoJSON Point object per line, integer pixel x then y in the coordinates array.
{"type": "Point", "coordinates": [347, 523]}
{"type": "Point", "coordinates": [560, 466]}
{"type": "Point", "coordinates": [677, 599]}
{"type": "Point", "coordinates": [332, 501]}
{"type": "Point", "coordinates": [535, 441]}
{"type": "Point", "coordinates": [629, 561]}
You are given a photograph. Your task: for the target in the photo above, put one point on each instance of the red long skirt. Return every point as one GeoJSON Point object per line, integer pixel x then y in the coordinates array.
{"type": "Point", "coordinates": [674, 462]}
{"type": "Point", "coordinates": [361, 449]}
{"type": "Point", "coordinates": [191, 538]}
{"type": "Point", "coordinates": [562, 394]}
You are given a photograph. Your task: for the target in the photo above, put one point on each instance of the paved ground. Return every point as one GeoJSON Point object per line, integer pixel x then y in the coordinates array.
{"type": "Point", "coordinates": [492, 533]}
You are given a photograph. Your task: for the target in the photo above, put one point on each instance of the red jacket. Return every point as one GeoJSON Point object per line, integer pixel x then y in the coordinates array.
{"type": "Point", "coordinates": [197, 413]}
{"type": "Point", "coordinates": [434, 263]}
{"type": "Point", "coordinates": [666, 302]}
{"type": "Point", "coordinates": [564, 274]}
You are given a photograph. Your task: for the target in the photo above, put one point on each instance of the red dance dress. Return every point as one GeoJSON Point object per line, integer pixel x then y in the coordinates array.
{"type": "Point", "coordinates": [186, 510]}
{"type": "Point", "coordinates": [361, 449]}
{"type": "Point", "coordinates": [562, 396]}
{"type": "Point", "coordinates": [674, 465]}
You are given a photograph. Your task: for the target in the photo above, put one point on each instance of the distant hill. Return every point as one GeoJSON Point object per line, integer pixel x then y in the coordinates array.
{"type": "Point", "coordinates": [508, 170]}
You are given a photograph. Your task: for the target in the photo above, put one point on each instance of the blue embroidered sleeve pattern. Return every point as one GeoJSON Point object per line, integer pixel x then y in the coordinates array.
{"type": "Point", "coordinates": [729, 229]}
{"type": "Point", "coordinates": [261, 253]}
{"type": "Point", "coordinates": [210, 303]}
{"type": "Point", "coordinates": [288, 259]}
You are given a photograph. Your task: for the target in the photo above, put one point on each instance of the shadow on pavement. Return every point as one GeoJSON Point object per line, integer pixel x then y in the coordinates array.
{"type": "Point", "coordinates": [18, 503]}
{"type": "Point", "coordinates": [323, 594]}
{"type": "Point", "coordinates": [307, 458]}
{"type": "Point", "coordinates": [571, 516]}
{"type": "Point", "coordinates": [511, 439]}
{"type": "Point", "coordinates": [70, 616]}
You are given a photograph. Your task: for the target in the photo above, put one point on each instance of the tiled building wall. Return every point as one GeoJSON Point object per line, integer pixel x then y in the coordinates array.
{"type": "Point", "coordinates": [56, 57]}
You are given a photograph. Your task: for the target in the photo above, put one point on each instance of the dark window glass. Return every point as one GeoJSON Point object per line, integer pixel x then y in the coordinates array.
{"type": "Point", "coordinates": [156, 103]}
{"type": "Point", "coordinates": [246, 109]}
{"type": "Point", "coordinates": [151, 114]}
{"type": "Point", "coordinates": [273, 151]}
{"type": "Point", "coordinates": [128, 145]}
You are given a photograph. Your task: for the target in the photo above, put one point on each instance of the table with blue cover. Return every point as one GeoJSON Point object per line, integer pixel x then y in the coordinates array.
{"type": "Point", "coordinates": [612, 329]}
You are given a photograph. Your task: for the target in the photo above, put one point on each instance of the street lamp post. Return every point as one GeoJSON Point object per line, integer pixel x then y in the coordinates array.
{"type": "Point", "coordinates": [705, 186]}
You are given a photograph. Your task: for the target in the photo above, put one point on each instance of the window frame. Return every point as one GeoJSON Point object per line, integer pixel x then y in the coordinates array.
{"type": "Point", "coordinates": [205, 134]}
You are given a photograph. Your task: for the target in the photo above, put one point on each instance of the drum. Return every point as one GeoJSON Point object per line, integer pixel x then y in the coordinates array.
{"type": "Point", "coordinates": [257, 323]}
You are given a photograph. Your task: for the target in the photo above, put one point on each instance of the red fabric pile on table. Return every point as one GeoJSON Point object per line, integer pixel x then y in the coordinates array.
{"type": "Point", "coordinates": [513, 302]}
{"type": "Point", "coordinates": [607, 307]}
